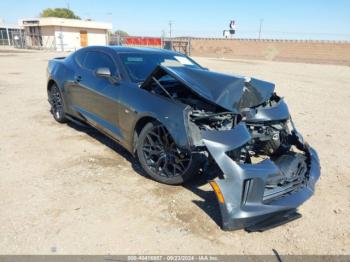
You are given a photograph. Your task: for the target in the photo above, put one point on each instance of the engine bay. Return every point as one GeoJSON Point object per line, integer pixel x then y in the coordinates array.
{"type": "Point", "coordinates": [269, 139]}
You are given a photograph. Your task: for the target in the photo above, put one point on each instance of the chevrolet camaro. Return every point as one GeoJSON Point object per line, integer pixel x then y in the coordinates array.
{"type": "Point", "coordinates": [177, 118]}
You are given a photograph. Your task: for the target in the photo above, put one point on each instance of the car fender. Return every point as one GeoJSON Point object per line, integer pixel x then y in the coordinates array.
{"type": "Point", "coordinates": [171, 114]}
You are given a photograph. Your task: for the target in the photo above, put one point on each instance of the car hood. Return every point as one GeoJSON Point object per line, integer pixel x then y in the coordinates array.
{"type": "Point", "coordinates": [231, 92]}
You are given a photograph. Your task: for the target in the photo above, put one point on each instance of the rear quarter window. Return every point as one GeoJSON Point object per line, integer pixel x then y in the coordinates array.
{"type": "Point", "coordinates": [79, 58]}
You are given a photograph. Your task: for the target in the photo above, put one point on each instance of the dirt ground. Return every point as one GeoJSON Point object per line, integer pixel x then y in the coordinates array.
{"type": "Point", "coordinates": [68, 190]}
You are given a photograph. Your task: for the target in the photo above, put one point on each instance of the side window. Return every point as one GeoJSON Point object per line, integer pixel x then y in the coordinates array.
{"type": "Point", "coordinates": [79, 57]}
{"type": "Point", "coordinates": [94, 60]}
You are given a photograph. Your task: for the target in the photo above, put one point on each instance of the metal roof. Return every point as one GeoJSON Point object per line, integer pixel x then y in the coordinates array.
{"type": "Point", "coordinates": [54, 21]}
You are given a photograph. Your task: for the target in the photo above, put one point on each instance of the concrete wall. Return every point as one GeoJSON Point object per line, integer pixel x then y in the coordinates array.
{"type": "Point", "coordinates": [97, 37]}
{"type": "Point", "coordinates": [50, 37]}
{"type": "Point", "coordinates": [71, 37]}
{"type": "Point", "coordinates": [279, 50]}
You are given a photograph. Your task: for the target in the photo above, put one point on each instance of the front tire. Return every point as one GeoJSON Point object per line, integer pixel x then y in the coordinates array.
{"type": "Point", "coordinates": [57, 104]}
{"type": "Point", "coordinates": [162, 159]}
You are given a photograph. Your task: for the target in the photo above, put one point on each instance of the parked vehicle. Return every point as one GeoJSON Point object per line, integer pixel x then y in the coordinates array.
{"type": "Point", "coordinates": [177, 118]}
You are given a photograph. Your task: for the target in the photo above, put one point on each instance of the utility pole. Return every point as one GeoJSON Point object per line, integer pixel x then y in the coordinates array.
{"type": "Point", "coordinates": [170, 25]}
{"type": "Point", "coordinates": [260, 28]}
{"type": "Point", "coordinates": [162, 38]}
{"type": "Point", "coordinates": [8, 36]}
{"type": "Point", "coordinates": [171, 40]}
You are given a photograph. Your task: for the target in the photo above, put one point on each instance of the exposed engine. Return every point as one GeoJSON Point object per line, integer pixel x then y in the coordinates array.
{"type": "Point", "coordinates": [214, 121]}
{"type": "Point", "coordinates": [269, 138]}
{"type": "Point", "coordinates": [204, 114]}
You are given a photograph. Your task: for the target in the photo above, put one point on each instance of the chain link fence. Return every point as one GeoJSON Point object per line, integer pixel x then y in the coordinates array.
{"type": "Point", "coordinates": [31, 39]}
{"type": "Point", "coordinates": [12, 37]}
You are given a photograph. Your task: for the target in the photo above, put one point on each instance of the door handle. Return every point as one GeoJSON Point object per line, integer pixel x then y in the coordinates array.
{"type": "Point", "coordinates": [77, 79]}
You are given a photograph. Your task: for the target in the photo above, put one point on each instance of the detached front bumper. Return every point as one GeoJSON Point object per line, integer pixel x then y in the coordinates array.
{"type": "Point", "coordinates": [242, 192]}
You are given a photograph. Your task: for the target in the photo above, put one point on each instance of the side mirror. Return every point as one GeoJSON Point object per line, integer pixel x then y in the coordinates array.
{"type": "Point", "coordinates": [103, 72]}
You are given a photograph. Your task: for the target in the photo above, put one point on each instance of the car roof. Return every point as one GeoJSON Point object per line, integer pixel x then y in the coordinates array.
{"type": "Point", "coordinates": [125, 49]}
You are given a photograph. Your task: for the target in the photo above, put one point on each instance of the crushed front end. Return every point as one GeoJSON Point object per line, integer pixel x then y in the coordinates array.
{"type": "Point", "coordinates": [267, 168]}
{"type": "Point", "coordinates": [241, 126]}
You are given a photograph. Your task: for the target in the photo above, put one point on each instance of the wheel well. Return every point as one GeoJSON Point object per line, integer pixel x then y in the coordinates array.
{"type": "Point", "coordinates": [139, 126]}
{"type": "Point", "coordinates": [50, 84]}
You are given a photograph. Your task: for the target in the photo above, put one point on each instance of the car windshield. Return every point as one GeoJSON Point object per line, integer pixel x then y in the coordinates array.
{"type": "Point", "coordinates": [139, 66]}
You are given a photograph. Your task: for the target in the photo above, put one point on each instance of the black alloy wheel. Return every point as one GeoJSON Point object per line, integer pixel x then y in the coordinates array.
{"type": "Point", "coordinates": [162, 159]}
{"type": "Point", "coordinates": [57, 104]}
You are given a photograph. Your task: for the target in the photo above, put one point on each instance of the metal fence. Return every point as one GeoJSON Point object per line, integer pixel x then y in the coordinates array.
{"type": "Point", "coordinates": [12, 37]}
{"type": "Point", "coordinates": [31, 39]}
{"type": "Point", "coordinates": [137, 41]}
{"type": "Point", "coordinates": [182, 45]}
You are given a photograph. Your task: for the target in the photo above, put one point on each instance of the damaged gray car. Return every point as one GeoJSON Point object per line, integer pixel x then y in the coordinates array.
{"type": "Point", "coordinates": [178, 118]}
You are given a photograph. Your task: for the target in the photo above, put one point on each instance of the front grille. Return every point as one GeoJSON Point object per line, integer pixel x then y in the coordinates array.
{"type": "Point", "coordinates": [293, 173]}
{"type": "Point", "coordinates": [278, 192]}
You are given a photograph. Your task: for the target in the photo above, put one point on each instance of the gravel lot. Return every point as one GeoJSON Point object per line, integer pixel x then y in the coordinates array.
{"type": "Point", "coordinates": [68, 190]}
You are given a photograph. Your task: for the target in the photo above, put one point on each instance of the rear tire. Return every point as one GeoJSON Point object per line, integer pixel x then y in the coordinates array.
{"type": "Point", "coordinates": [162, 159]}
{"type": "Point", "coordinates": [57, 104]}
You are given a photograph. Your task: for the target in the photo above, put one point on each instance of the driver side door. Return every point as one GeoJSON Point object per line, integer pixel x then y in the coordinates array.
{"type": "Point", "coordinates": [95, 97]}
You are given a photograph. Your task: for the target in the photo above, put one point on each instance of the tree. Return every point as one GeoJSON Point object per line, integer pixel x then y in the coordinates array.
{"type": "Point", "coordinates": [59, 12]}
{"type": "Point", "coordinates": [121, 33]}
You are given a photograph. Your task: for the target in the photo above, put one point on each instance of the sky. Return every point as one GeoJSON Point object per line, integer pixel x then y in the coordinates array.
{"type": "Point", "coordinates": [293, 19]}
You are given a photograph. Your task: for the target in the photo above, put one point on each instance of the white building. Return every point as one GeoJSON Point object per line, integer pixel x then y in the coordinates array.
{"type": "Point", "coordinates": [64, 34]}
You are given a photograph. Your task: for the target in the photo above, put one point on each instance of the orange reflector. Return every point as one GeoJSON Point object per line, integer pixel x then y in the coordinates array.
{"type": "Point", "coordinates": [217, 191]}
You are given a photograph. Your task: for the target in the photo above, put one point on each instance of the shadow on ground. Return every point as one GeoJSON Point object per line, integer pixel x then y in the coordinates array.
{"type": "Point", "coordinates": [208, 203]}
